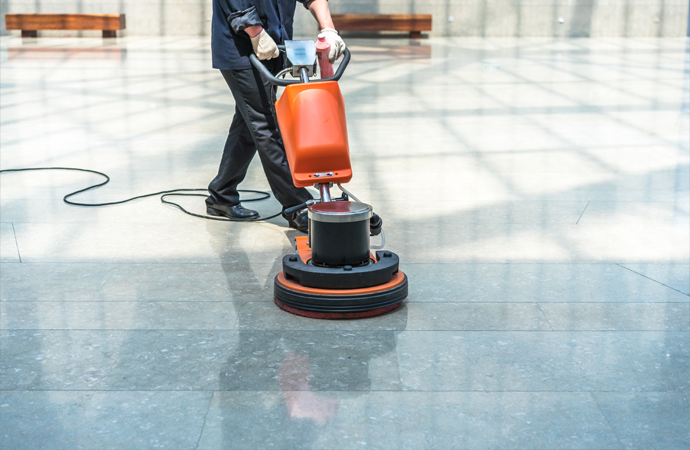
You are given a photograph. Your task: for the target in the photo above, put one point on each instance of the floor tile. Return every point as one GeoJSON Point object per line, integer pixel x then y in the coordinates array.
{"type": "Point", "coordinates": [405, 420]}
{"type": "Point", "coordinates": [312, 360]}
{"type": "Point", "coordinates": [67, 282]}
{"type": "Point", "coordinates": [197, 360]}
{"type": "Point", "coordinates": [475, 316]}
{"type": "Point", "coordinates": [412, 316]}
{"type": "Point", "coordinates": [618, 316]}
{"type": "Point", "coordinates": [544, 361]}
{"type": "Point", "coordinates": [267, 316]}
{"type": "Point", "coordinates": [190, 243]}
{"type": "Point", "coordinates": [113, 360]}
{"type": "Point", "coordinates": [8, 246]}
{"type": "Point", "coordinates": [52, 282]}
{"type": "Point", "coordinates": [528, 212]}
{"type": "Point", "coordinates": [634, 213]}
{"type": "Point", "coordinates": [187, 282]}
{"type": "Point", "coordinates": [442, 240]}
{"type": "Point", "coordinates": [34, 198]}
{"type": "Point", "coordinates": [118, 316]}
{"type": "Point", "coordinates": [675, 276]}
{"type": "Point", "coordinates": [545, 283]}
{"type": "Point", "coordinates": [57, 420]}
{"type": "Point", "coordinates": [54, 210]}
{"type": "Point", "coordinates": [651, 420]}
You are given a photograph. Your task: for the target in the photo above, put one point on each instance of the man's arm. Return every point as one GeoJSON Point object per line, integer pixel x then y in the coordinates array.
{"type": "Point", "coordinates": [264, 46]}
{"type": "Point", "coordinates": [319, 9]}
{"type": "Point", "coordinates": [240, 14]}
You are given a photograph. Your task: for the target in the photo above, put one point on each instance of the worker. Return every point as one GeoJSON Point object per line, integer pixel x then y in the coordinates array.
{"type": "Point", "coordinates": [239, 28]}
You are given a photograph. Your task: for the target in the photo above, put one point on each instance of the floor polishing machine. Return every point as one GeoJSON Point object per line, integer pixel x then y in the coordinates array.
{"type": "Point", "coordinates": [333, 274]}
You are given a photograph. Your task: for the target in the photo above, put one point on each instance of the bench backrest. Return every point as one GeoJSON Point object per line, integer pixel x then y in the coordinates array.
{"type": "Point", "coordinates": [105, 22]}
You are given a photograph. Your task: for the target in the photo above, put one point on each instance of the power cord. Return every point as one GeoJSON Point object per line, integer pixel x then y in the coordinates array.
{"type": "Point", "coordinates": [172, 192]}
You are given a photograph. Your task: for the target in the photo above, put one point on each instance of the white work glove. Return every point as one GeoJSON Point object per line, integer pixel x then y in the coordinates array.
{"type": "Point", "coordinates": [264, 46]}
{"type": "Point", "coordinates": [336, 42]}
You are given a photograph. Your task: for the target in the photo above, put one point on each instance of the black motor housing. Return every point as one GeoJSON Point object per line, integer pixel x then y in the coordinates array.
{"type": "Point", "coordinates": [333, 274]}
{"type": "Point", "coordinates": [339, 233]}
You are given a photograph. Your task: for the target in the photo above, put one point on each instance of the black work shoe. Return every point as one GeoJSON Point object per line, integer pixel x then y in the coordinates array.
{"type": "Point", "coordinates": [232, 212]}
{"type": "Point", "coordinates": [298, 220]}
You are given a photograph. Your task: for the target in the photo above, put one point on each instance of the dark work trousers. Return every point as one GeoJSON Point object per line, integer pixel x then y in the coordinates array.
{"type": "Point", "coordinates": [253, 128]}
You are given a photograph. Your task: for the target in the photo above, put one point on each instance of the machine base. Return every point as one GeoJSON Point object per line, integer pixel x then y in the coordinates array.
{"type": "Point", "coordinates": [337, 315]}
{"type": "Point", "coordinates": [340, 303]}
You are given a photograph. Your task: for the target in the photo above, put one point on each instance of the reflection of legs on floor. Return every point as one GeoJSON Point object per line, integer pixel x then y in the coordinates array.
{"type": "Point", "coordinates": [301, 402]}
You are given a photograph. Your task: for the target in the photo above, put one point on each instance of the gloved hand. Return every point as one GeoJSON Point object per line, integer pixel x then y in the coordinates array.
{"type": "Point", "coordinates": [264, 46]}
{"type": "Point", "coordinates": [336, 42]}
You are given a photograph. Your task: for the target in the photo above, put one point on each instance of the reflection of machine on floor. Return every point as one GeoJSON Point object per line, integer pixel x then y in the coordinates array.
{"type": "Point", "coordinates": [333, 273]}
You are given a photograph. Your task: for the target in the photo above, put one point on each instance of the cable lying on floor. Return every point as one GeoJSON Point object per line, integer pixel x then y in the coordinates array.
{"type": "Point", "coordinates": [164, 194]}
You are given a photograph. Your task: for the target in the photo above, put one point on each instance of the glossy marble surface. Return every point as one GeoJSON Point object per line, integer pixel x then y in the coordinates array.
{"type": "Point", "coordinates": [536, 190]}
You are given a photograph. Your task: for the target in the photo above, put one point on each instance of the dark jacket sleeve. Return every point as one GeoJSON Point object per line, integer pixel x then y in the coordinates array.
{"type": "Point", "coordinates": [306, 3]}
{"type": "Point", "coordinates": [241, 14]}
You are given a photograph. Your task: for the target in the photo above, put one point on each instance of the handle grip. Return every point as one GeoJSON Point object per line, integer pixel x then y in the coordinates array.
{"type": "Point", "coordinates": [281, 82]}
{"type": "Point", "coordinates": [292, 209]}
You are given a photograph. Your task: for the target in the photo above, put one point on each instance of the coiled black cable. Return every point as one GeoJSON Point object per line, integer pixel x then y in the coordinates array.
{"type": "Point", "coordinates": [172, 192]}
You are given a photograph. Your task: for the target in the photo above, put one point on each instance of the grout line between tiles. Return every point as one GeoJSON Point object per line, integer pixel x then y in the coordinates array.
{"type": "Point", "coordinates": [201, 433]}
{"type": "Point", "coordinates": [350, 330]}
{"type": "Point", "coordinates": [591, 394]}
{"type": "Point", "coordinates": [14, 232]}
{"type": "Point", "coordinates": [583, 213]}
{"type": "Point", "coordinates": [656, 281]}
{"type": "Point", "coordinates": [545, 316]}
{"type": "Point", "coordinates": [238, 310]}
{"type": "Point", "coordinates": [242, 303]}
{"type": "Point", "coordinates": [405, 263]}
{"type": "Point", "coordinates": [412, 391]}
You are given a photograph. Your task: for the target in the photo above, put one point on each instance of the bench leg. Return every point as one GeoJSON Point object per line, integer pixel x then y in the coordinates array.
{"type": "Point", "coordinates": [415, 34]}
{"type": "Point", "coordinates": [29, 33]}
{"type": "Point", "coordinates": [109, 33]}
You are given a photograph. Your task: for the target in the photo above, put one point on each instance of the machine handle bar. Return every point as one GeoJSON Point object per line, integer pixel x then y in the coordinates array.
{"type": "Point", "coordinates": [282, 82]}
{"type": "Point", "coordinates": [296, 208]}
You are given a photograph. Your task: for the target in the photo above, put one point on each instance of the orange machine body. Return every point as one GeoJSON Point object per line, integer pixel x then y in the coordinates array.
{"type": "Point", "coordinates": [311, 117]}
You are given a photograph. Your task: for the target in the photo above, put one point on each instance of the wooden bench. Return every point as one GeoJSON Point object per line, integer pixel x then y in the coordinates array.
{"type": "Point", "coordinates": [31, 23]}
{"type": "Point", "coordinates": [414, 23]}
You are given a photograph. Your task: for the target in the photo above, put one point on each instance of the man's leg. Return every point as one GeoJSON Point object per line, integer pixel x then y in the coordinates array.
{"type": "Point", "coordinates": [254, 97]}
{"type": "Point", "coordinates": [237, 154]}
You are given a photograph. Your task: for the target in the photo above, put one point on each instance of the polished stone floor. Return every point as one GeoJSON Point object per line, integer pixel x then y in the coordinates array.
{"type": "Point", "coordinates": [536, 190]}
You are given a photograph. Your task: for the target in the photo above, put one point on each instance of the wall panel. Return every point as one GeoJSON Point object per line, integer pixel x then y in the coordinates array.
{"type": "Point", "coordinates": [579, 18]}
